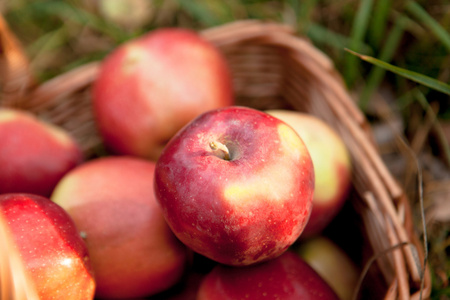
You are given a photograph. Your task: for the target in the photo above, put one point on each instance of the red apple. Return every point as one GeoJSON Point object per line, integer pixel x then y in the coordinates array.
{"type": "Point", "coordinates": [152, 86]}
{"type": "Point", "coordinates": [53, 253]}
{"type": "Point", "coordinates": [236, 185]}
{"type": "Point", "coordinates": [133, 251]}
{"type": "Point", "coordinates": [332, 166]}
{"type": "Point", "coordinates": [332, 264]}
{"type": "Point", "coordinates": [286, 277]}
{"type": "Point", "coordinates": [34, 155]}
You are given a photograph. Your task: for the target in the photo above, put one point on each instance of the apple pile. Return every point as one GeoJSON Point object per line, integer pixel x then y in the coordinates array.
{"type": "Point", "coordinates": [196, 197]}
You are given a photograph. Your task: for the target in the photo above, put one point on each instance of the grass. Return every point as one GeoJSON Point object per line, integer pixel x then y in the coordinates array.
{"type": "Point", "coordinates": [402, 45]}
{"type": "Point", "coordinates": [357, 34]}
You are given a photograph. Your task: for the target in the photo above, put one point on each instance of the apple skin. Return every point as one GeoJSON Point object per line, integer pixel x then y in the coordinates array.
{"type": "Point", "coordinates": [152, 86]}
{"type": "Point", "coordinates": [133, 251]}
{"type": "Point", "coordinates": [332, 167]}
{"type": "Point", "coordinates": [245, 209]}
{"type": "Point", "coordinates": [331, 263]}
{"type": "Point", "coordinates": [285, 277]}
{"type": "Point", "coordinates": [34, 155]}
{"type": "Point", "coordinates": [53, 253]}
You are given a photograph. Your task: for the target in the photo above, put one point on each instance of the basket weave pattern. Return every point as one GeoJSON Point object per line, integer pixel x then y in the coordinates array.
{"type": "Point", "coordinates": [271, 68]}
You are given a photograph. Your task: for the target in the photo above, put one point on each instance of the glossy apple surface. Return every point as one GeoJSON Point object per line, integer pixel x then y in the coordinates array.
{"type": "Point", "coordinates": [34, 155]}
{"type": "Point", "coordinates": [133, 251]}
{"type": "Point", "coordinates": [332, 166]}
{"type": "Point", "coordinates": [53, 253]}
{"type": "Point", "coordinates": [331, 263]}
{"type": "Point", "coordinates": [286, 277]}
{"type": "Point", "coordinates": [236, 185]}
{"type": "Point", "coordinates": [152, 86]}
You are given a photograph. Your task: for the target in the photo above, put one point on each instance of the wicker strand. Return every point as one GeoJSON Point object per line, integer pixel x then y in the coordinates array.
{"type": "Point", "coordinates": [62, 86]}
{"type": "Point", "coordinates": [376, 232]}
{"type": "Point", "coordinates": [400, 269]}
{"type": "Point", "coordinates": [392, 291]}
{"type": "Point", "coordinates": [242, 31]}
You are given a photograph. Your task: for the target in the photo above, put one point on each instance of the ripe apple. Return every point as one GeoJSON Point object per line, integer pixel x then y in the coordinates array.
{"type": "Point", "coordinates": [53, 253]}
{"type": "Point", "coordinates": [285, 277]}
{"type": "Point", "coordinates": [332, 166]}
{"type": "Point", "coordinates": [133, 251]}
{"type": "Point", "coordinates": [236, 185]}
{"type": "Point", "coordinates": [331, 263]}
{"type": "Point", "coordinates": [34, 155]}
{"type": "Point", "coordinates": [152, 86]}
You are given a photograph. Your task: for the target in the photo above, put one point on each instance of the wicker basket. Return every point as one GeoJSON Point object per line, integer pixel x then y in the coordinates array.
{"type": "Point", "coordinates": [272, 68]}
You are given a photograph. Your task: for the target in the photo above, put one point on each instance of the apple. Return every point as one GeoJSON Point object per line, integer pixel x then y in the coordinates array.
{"type": "Point", "coordinates": [331, 263]}
{"type": "Point", "coordinates": [54, 255]}
{"type": "Point", "coordinates": [133, 251]}
{"type": "Point", "coordinates": [236, 185]}
{"type": "Point", "coordinates": [151, 86]}
{"type": "Point", "coordinates": [34, 155]}
{"type": "Point", "coordinates": [332, 166]}
{"type": "Point", "coordinates": [285, 277]}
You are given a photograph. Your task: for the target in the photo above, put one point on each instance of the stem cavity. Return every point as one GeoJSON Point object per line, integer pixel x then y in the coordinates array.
{"type": "Point", "coordinates": [220, 150]}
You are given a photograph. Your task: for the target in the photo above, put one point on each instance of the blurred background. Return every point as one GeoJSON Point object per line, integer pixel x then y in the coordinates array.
{"type": "Point", "coordinates": [411, 104]}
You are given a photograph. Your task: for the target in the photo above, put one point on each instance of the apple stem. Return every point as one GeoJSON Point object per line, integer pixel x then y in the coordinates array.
{"type": "Point", "coordinates": [220, 150]}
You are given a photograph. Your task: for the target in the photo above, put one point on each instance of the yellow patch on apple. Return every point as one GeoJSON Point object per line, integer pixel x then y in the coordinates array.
{"type": "Point", "coordinates": [133, 58]}
{"type": "Point", "coordinates": [324, 178]}
{"type": "Point", "coordinates": [7, 115]}
{"type": "Point", "coordinates": [325, 160]}
{"type": "Point", "coordinates": [327, 150]}
{"type": "Point", "coordinates": [66, 186]}
{"type": "Point", "coordinates": [290, 139]}
{"type": "Point", "coordinates": [241, 193]}
{"type": "Point", "coordinates": [59, 134]}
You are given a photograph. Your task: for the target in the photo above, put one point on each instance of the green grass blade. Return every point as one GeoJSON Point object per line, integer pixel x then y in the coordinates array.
{"type": "Point", "coordinates": [324, 36]}
{"type": "Point", "coordinates": [358, 32]}
{"type": "Point", "coordinates": [47, 42]}
{"type": "Point", "coordinates": [416, 77]}
{"type": "Point", "coordinates": [387, 52]}
{"type": "Point", "coordinates": [416, 10]}
{"type": "Point", "coordinates": [379, 21]}
{"type": "Point", "coordinates": [304, 11]}
{"type": "Point", "coordinates": [199, 12]}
